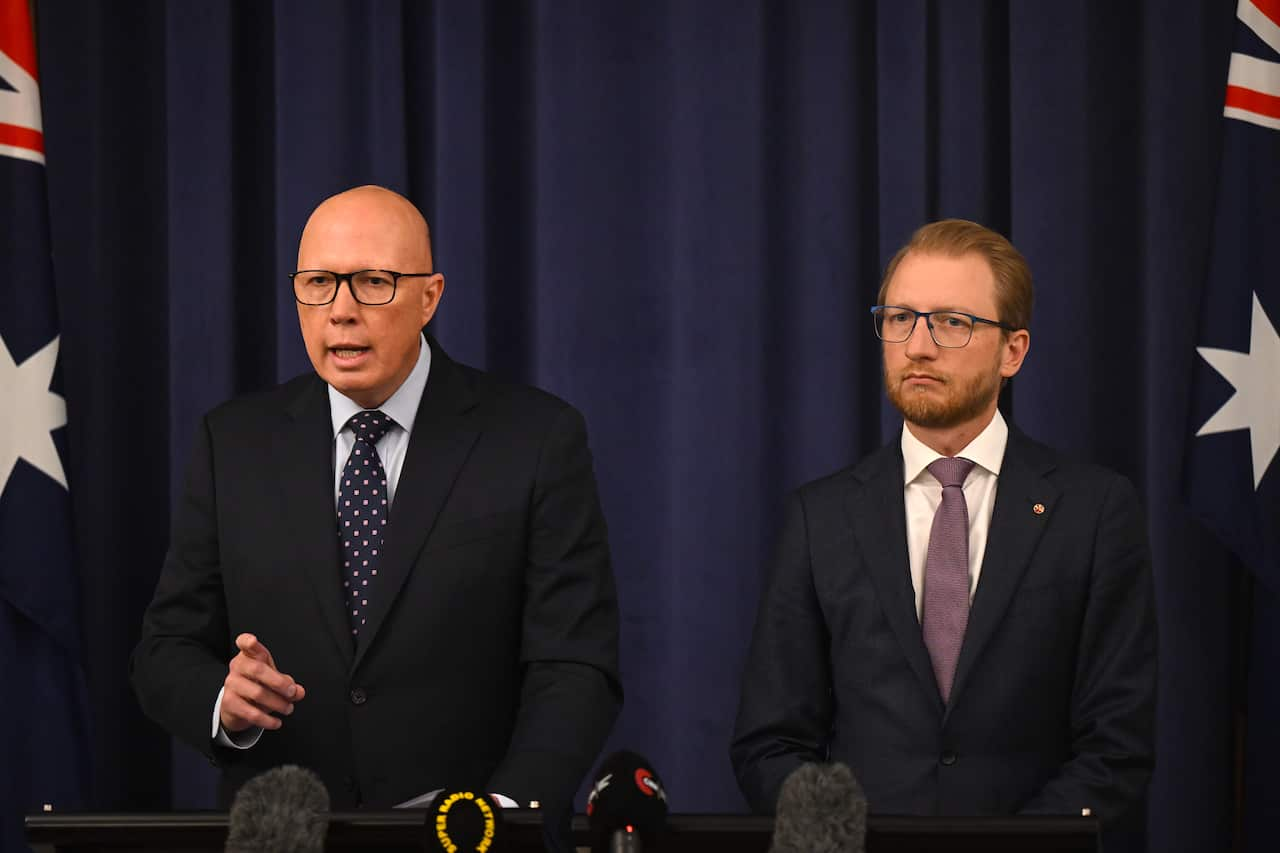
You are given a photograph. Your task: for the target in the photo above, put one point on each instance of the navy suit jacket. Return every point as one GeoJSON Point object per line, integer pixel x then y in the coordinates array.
{"type": "Point", "coordinates": [1053, 704]}
{"type": "Point", "coordinates": [490, 655]}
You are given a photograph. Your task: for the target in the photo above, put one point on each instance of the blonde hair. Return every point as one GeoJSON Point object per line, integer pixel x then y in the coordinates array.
{"type": "Point", "coordinates": [956, 237]}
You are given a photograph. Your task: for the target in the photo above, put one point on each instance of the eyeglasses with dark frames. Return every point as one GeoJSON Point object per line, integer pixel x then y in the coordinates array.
{"type": "Point", "coordinates": [368, 287]}
{"type": "Point", "coordinates": [952, 329]}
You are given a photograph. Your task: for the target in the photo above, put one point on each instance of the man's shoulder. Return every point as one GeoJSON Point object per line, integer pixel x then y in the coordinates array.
{"type": "Point", "coordinates": [1063, 468]}
{"type": "Point", "coordinates": [494, 398]}
{"type": "Point", "coordinates": [883, 466]}
{"type": "Point", "coordinates": [501, 402]}
{"type": "Point", "coordinates": [268, 403]}
{"type": "Point", "coordinates": [868, 472]}
{"type": "Point", "coordinates": [496, 391]}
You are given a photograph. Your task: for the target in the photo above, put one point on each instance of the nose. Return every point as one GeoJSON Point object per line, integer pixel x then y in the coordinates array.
{"type": "Point", "coordinates": [920, 345]}
{"type": "Point", "coordinates": [344, 307]}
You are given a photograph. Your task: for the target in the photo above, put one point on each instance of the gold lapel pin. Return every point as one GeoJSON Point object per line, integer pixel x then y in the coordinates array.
{"type": "Point", "coordinates": [1038, 509]}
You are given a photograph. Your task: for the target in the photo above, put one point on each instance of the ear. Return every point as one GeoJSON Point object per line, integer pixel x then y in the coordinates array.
{"type": "Point", "coordinates": [431, 294]}
{"type": "Point", "coordinates": [1013, 349]}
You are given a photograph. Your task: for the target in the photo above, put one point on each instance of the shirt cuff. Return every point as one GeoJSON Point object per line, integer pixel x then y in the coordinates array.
{"type": "Point", "coordinates": [234, 740]}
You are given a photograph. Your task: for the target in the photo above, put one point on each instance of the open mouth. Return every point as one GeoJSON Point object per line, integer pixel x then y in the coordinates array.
{"type": "Point", "coordinates": [348, 353]}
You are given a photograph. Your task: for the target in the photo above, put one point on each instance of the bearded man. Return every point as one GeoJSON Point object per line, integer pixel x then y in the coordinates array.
{"type": "Point", "coordinates": [965, 617]}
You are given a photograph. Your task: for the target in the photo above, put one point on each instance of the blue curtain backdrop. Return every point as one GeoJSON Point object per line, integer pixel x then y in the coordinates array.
{"type": "Point", "coordinates": [673, 214]}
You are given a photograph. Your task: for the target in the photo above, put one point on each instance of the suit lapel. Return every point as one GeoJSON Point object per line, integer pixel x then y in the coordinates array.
{"type": "Point", "coordinates": [304, 454]}
{"type": "Point", "coordinates": [442, 438]}
{"type": "Point", "coordinates": [1011, 541]}
{"type": "Point", "coordinates": [877, 511]}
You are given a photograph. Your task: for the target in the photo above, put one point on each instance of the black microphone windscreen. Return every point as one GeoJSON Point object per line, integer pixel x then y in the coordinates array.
{"type": "Point", "coordinates": [627, 792]}
{"type": "Point", "coordinates": [821, 809]}
{"type": "Point", "coordinates": [284, 809]}
{"type": "Point", "coordinates": [463, 820]}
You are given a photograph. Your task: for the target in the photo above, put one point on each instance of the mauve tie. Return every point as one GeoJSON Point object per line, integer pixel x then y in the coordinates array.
{"type": "Point", "coordinates": [946, 573]}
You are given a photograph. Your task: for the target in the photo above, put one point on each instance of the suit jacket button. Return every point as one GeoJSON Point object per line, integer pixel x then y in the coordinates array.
{"type": "Point", "coordinates": [358, 697]}
{"type": "Point", "coordinates": [947, 758]}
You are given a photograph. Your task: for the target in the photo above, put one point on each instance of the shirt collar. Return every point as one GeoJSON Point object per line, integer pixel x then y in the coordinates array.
{"type": "Point", "coordinates": [986, 449]}
{"type": "Point", "coordinates": [401, 407]}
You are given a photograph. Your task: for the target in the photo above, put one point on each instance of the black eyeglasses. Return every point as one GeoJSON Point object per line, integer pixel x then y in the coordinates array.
{"type": "Point", "coordinates": [894, 325]}
{"type": "Point", "coordinates": [369, 287]}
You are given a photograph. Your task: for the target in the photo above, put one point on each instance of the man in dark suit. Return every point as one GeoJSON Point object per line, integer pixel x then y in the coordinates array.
{"type": "Point", "coordinates": [965, 617]}
{"type": "Point", "coordinates": [393, 571]}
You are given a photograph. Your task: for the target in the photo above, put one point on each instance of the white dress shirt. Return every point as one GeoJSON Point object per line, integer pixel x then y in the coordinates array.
{"type": "Point", "coordinates": [923, 494]}
{"type": "Point", "coordinates": [402, 407]}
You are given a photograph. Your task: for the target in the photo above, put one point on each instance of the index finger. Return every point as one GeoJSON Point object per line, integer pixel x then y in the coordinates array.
{"type": "Point", "coordinates": [253, 648]}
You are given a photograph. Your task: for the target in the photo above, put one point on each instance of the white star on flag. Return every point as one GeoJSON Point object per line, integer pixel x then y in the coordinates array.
{"type": "Point", "coordinates": [29, 413]}
{"type": "Point", "coordinates": [1255, 405]}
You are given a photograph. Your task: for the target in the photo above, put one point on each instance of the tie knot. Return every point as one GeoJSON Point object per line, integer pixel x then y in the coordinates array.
{"type": "Point", "coordinates": [370, 425]}
{"type": "Point", "coordinates": [951, 470]}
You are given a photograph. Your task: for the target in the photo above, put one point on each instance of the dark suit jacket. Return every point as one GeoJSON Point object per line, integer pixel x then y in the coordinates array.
{"type": "Point", "coordinates": [490, 655]}
{"type": "Point", "coordinates": [1052, 707]}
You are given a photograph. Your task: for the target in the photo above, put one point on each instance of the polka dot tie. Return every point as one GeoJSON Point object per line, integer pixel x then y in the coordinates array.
{"type": "Point", "coordinates": [946, 573]}
{"type": "Point", "coordinates": [362, 515]}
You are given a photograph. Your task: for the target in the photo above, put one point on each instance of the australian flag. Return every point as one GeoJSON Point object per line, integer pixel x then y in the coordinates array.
{"type": "Point", "coordinates": [1232, 476]}
{"type": "Point", "coordinates": [43, 742]}
{"type": "Point", "coordinates": [1233, 479]}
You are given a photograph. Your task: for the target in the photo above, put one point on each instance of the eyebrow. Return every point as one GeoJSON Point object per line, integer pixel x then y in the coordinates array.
{"type": "Point", "coordinates": [952, 308]}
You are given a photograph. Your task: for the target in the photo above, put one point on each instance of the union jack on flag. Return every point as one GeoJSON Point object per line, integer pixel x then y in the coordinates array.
{"type": "Point", "coordinates": [1232, 479]}
{"type": "Point", "coordinates": [20, 129]}
{"type": "Point", "coordinates": [1253, 84]}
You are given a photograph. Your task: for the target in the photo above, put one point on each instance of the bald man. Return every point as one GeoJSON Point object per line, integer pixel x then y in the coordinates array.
{"type": "Point", "coordinates": [393, 570]}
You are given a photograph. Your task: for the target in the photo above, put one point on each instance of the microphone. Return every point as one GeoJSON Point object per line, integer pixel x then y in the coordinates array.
{"type": "Point", "coordinates": [821, 809]}
{"type": "Point", "coordinates": [463, 820]}
{"type": "Point", "coordinates": [627, 807]}
{"type": "Point", "coordinates": [285, 809]}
